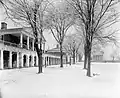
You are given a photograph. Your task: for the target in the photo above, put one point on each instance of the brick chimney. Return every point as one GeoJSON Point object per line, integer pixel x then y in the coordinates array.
{"type": "Point", "coordinates": [3, 25]}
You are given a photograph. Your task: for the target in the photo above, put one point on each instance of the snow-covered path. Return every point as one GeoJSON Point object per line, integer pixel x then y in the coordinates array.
{"type": "Point", "coordinates": [67, 82]}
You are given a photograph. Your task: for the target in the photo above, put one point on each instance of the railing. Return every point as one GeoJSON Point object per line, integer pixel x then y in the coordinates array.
{"type": "Point", "coordinates": [9, 43]}
{"type": "Point", "coordinates": [25, 46]}
{"type": "Point", "coordinates": [30, 48]}
{"type": "Point", "coordinates": [13, 44]}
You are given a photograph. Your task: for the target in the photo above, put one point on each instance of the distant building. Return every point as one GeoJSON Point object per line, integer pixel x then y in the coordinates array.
{"type": "Point", "coordinates": [56, 52]}
{"type": "Point", "coordinates": [17, 48]}
{"type": "Point", "coordinates": [98, 56]}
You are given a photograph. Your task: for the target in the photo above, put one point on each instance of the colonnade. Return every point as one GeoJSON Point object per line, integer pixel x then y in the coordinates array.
{"type": "Point", "coordinates": [51, 61]}
{"type": "Point", "coordinates": [10, 59]}
{"type": "Point", "coordinates": [98, 57]}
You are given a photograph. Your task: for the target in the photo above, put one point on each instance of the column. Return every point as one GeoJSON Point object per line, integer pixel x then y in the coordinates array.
{"type": "Point", "coordinates": [1, 59]}
{"type": "Point", "coordinates": [47, 60]}
{"type": "Point", "coordinates": [33, 44]}
{"type": "Point", "coordinates": [21, 40]}
{"type": "Point", "coordinates": [10, 59]}
{"type": "Point", "coordinates": [18, 59]}
{"type": "Point", "coordinates": [32, 61]}
{"type": "Point", "coordinates": [28, 42]}
{"type": "Point", "coordinates": [27, 61]}
{"type": "Point", "coordinates": [57, 61]}
{"type": "Point", "coordinates": [21, 60]}
{"type": "Point", "coordinates": [50, 60]}
{"type": "Point", "coordinates": [53, 61]}
{"type": "Point", "coordinates": [43, 60]}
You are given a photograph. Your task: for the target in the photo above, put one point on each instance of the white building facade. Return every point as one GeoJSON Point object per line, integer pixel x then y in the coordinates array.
{"type": "Point", "coordinates": [17, 49]}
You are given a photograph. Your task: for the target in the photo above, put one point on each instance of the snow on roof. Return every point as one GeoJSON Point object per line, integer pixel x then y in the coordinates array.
{"type": "Point", "coordinates": [55, 50]}
{"type": "Point", "coordinates": [11, 30]}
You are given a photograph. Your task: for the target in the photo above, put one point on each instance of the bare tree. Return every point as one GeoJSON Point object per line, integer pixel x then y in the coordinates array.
{"type": "Point", "coordinates": [60, 20]}
{"type": "Point", "coordinates": [1, 2]}
{"type": "Point", "coordinates": [72, 44]}
{"type": "Point", "coordinates": [95, 16]}
{"type": "Point", "coordinates": [30, 13]}
{"type": "Point", "coordinates": [81, 30]}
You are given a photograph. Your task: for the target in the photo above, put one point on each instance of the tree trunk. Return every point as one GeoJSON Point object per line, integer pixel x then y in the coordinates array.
{"type": "Point", "coordinates": [89, 63]}
{"type": "Point", "coordinates": [40, 63]}
{"type": "Point", "coordinates": [76, 56]}
{"type": "Point", "coordinates": [80, 58]}
{"type": "Point", "coordinates": [39, 53]}
{"type": "Point", "coordinates": [35, 31]}
{"type": "Point", "coordinates": [70, 60]}
{"type": "Point", "coordinates": [61, 56]}
{"type": "Point", "coordinates": [73, 56]}
{"type": "Point", "coordinates": [85, 58]}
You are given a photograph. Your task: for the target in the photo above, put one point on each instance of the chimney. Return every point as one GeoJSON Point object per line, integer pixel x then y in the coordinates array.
{"type": "Point", "coordinates": [3, 25]}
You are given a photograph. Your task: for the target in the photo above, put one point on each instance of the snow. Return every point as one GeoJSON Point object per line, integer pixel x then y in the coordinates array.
{"type": "Point", "coordinates": [67, 82]}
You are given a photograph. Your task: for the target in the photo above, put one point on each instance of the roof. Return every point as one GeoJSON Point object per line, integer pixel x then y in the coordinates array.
{"type": "Point", "coordinates": [99, 53]}
{"type": "Point", "coordinates": [55, 51]}
{"type": "Point", "coordinates": [11, 30]}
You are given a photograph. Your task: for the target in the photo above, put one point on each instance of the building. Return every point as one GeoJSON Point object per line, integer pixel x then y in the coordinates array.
{"type": "Point", "coordinates": [56, 53]}
{"type": "Point", "coordinates": [17, 48]}
{"type": "Point", "coordinates": [98, 56]}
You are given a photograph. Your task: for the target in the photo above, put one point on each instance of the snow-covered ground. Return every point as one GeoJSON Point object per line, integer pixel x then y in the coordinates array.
{"type": "Point", "coordinates": [67, 82]}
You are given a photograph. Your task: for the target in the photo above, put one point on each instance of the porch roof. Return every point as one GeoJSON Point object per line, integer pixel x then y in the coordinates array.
{"type": "Point", "coordinates": [26, 31]}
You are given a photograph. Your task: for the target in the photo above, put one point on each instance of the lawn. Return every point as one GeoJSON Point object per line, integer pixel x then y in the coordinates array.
{"type": "Point", "coordinates": [67, 82]}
